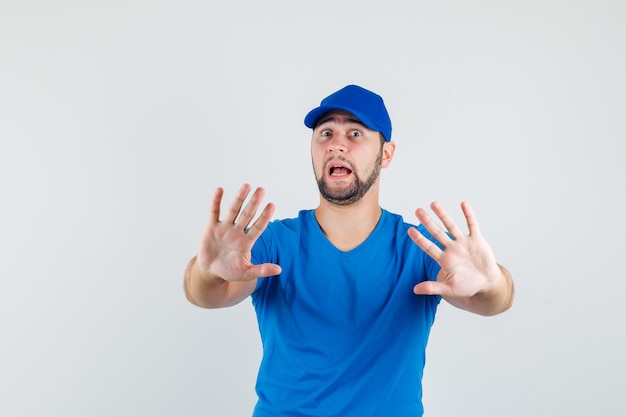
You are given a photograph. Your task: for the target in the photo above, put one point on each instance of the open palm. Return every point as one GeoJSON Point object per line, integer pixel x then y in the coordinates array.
{"type": "Point", "coordinates": [225, 246]}
{"type": "Point", "coordinates": [468, 264]}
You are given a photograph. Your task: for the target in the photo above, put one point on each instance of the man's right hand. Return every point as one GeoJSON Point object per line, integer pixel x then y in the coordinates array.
{"type": "Point", "coordinates": [222, 273]}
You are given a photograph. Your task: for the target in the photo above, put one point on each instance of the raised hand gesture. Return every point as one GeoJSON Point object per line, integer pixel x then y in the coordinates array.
{"type": "Point", "coordinates": [222, 273]}
{"type": "Point", "coordinates": [469, 277]}
{"type": "Point", "coordinates": [225, 245]}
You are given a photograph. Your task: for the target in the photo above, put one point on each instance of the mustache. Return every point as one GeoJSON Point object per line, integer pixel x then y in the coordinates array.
{"type": "Point", "coordinates": [334, 159]}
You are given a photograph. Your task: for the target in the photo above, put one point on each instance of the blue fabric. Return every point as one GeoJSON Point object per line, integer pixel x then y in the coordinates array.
{"type": "Point", "coordinates": [343, 333]}
{"type": "Point", "coordinates": [366, 105]}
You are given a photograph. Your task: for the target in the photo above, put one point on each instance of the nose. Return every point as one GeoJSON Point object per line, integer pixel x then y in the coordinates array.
{"type": "Point", "coordinates": [337, 144]}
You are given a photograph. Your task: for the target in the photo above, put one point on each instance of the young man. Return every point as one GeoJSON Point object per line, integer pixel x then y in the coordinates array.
{"type": "Point", "coordinates": [345, 294]}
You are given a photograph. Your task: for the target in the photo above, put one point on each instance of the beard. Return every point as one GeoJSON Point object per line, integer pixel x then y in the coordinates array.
{"type": "Point", "coordinates": [355, 191]}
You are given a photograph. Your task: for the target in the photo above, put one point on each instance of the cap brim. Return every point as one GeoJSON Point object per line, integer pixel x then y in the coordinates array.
{"type": "Point", "coordinates": [314, 115]}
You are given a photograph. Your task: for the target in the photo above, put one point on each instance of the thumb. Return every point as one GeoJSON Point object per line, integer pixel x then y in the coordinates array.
{"type": "Point", "coordinates": [430, 288]}
{"type": "Point", "coordinates": [261, 271]}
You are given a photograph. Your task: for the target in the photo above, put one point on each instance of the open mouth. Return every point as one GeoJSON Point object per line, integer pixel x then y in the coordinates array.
{"type": "Point", "coordinates": [339, 171]}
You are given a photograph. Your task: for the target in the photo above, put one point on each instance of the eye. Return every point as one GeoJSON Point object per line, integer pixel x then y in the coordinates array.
{"type": "Point", "coordinates": [325, 133]}
{"type": "Point", "coordinates": [355, 133]}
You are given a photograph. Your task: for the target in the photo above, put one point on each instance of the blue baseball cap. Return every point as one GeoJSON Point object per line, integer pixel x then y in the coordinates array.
{"type": "Point", "coordinates": [367, 106]}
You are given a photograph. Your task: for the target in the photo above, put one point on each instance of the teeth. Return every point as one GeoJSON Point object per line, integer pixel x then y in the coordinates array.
{"type": "Point", "coordinates": [339, 171]}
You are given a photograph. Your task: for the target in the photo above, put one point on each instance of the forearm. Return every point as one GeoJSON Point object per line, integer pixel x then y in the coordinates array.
{"type": "Point", "coordinates": [211, 291]}
{"type": "Point", "coordinates": [201, 290]}
{"type": "Point", "coordinates": [495, 300]}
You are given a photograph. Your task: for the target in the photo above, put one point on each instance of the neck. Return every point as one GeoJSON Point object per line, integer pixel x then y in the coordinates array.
{"type": "Point", "coordinates": [346, 227]}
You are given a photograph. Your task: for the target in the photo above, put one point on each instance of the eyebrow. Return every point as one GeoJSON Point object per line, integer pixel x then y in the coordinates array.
{"type": "Point", "coordinates": [332, 118]}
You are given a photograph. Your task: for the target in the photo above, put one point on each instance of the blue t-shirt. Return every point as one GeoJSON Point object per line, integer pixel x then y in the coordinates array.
{"type": "Point", "coordinates": [343, 333]}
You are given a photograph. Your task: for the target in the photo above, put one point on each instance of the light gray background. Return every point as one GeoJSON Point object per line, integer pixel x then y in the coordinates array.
{"type": "Point", "coordinates": [119, 118]}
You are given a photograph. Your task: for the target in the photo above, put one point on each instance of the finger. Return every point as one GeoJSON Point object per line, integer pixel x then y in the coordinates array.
{"type": "Point", "coordinates": [432, 288]}
{"type": "Point", "coordinates": [214, 210]}
{"type": "Point", "coordinates": [470, 218]}
{"type": "Point", "coordinates": [433, 228]}
{"type": "Point", "coordinates": [447, 220]}
{"type": "Point", "coordinates": [426, 244]}
{"type": "Point", "coordinates": [249, 211]}
{"type": "Point", "coordinates": [235, 206]}
{"type": "Point", "coordinates": [261, 271]}
{"type": "Point", "coordinates": [262, 221]}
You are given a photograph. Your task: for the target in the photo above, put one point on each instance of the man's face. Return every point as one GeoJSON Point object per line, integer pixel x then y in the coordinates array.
{"type": "Point", "coordinates": [347, 157]}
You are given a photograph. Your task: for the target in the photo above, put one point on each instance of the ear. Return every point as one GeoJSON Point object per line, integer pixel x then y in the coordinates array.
{"type": "Point", "coordinates": [388, 149]}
